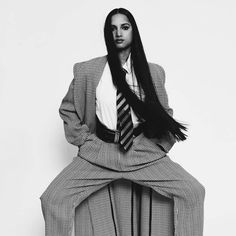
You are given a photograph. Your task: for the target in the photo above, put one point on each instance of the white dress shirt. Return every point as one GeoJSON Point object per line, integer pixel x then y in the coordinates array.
{"type": "Point", "coordinates": [106, 109]}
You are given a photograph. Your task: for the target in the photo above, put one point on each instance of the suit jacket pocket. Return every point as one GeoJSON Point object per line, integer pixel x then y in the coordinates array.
{"type": "Point", "coordinates": [91, 146]}
{"type": "Point", "coordinates": [150, 145]}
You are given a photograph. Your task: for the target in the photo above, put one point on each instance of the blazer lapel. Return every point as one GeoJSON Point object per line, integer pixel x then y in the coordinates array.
{"type": "Point", "coordinates": [99, 68]}
{"type": "Point", "coordinates": [94, 71]}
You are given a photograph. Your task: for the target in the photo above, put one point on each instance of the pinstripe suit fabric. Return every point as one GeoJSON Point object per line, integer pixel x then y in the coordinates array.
{"type": "Point", "coordinates": [98, 163]}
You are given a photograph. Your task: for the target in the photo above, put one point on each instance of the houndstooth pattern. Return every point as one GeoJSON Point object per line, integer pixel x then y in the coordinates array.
{"type": "Point", "coordinates": [98, 163]}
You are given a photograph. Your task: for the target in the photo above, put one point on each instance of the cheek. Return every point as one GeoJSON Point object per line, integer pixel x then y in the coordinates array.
{"type": "Point", "coordinates": [130, 37]}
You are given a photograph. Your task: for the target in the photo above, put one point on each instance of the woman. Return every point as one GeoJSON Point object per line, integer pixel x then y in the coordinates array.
{"type": "Point", "coordinates": [116, 111]}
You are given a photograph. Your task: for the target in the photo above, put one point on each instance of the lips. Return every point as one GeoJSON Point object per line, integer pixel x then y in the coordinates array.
{"type": "Point", "coordinates": [119, 40]}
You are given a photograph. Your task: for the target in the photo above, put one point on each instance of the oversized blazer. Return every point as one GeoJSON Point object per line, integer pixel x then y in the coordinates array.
{"type": "Point", "coordinates": [78, 111]}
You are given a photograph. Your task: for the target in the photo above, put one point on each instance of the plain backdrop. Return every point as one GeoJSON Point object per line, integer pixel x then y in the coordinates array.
{"type": "Point", "coordinates": [193, 40]}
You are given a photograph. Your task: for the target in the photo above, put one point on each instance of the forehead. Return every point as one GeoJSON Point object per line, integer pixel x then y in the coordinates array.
{"type": "Point", "coordinates": [119, 19]}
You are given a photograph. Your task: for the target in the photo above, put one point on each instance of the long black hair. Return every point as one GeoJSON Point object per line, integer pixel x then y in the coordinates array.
{"type": "Point", "coordinates": [157, 121]}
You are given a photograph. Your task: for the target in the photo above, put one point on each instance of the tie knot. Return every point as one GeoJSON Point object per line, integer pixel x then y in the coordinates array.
{"type": "Point", "coordinates": [124, 70]}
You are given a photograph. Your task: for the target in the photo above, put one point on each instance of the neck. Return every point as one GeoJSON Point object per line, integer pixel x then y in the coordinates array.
{"type": "Point", "coordinates": [123, 55]}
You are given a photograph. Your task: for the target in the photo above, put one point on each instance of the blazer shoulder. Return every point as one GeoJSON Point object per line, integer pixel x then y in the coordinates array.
{"type": "Point", "coordinates": [88, 64]}
{"type": "Point", "coordinates": [158, 70]}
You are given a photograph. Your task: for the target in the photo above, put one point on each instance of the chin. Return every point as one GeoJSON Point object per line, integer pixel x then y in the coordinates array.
{"type": "Point", "coordinates": [122, 47]}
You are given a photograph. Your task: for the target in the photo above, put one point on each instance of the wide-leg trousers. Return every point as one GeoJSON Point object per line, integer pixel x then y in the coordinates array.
{"type": "Point", "coordinates": [82, 177]}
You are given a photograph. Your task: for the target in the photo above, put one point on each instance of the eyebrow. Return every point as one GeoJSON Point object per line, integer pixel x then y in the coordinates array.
{"type": "Point", "coordinates": [122, 24]}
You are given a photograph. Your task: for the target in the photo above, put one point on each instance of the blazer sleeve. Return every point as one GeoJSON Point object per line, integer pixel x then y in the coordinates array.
{"type": "Point", "coordinates": [168, 141]}
{"type": "Point", "coordinates": [76, 132]}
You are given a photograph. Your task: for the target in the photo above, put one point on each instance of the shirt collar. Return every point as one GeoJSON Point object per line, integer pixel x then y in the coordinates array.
{"type": "Point", "coordinates": [127, 65]}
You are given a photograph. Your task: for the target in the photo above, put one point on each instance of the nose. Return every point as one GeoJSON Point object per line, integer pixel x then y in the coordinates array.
{"type": "Point", "coordinates": [118, 32]}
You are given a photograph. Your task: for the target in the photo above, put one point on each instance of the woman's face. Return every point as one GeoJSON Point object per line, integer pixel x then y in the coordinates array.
{"type": "Point", "coordinates": [122, 31]}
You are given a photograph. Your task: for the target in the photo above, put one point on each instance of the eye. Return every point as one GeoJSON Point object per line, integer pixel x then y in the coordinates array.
{"type": "Point", "coordinates": [125, 27]}
{"type": "Point", "coordinates": [113, 28]}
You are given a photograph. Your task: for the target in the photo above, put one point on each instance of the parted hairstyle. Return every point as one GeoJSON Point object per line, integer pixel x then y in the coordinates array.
{"type": "Point", "coordinates": [158, 122]}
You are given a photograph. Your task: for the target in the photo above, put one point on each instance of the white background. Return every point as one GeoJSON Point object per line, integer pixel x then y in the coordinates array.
{"type": "Point", "coordinates": [194, 40]}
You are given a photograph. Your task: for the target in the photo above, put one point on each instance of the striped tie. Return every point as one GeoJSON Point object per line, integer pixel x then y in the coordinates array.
{"type": "Point", "coordinates": [124, 122]}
